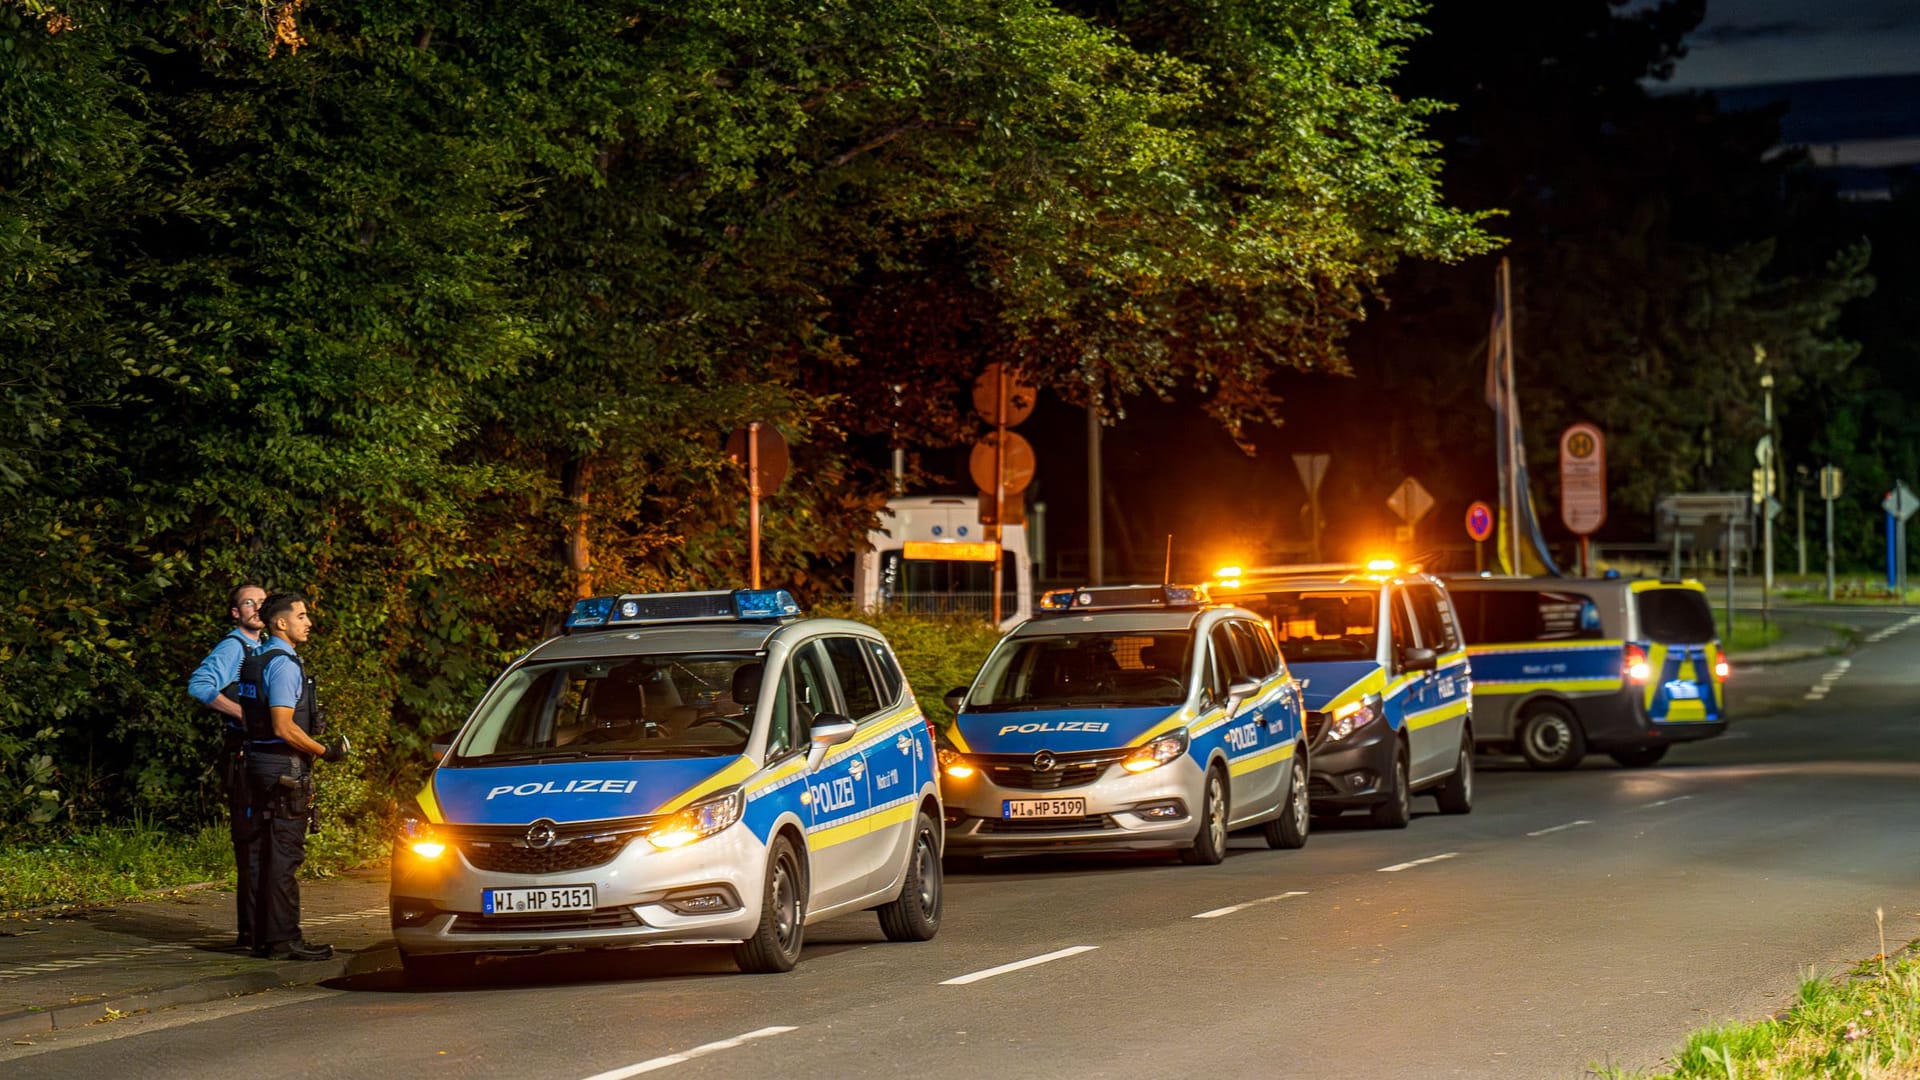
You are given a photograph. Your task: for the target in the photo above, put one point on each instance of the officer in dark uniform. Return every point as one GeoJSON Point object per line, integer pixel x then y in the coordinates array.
{"type": "Point", "coordinates": [213, 685]}
{"type": "Point", "coordinates": [282, 718]}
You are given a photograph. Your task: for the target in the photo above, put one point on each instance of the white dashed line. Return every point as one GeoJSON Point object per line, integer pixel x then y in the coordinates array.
{"type": "Point", "coordinates": [1031, 961]}
{"type": "Point", "coordinates": [1397, 867]}
{"type": "Point", "coordinates": [1217, 912]}
{"type": "Point", "coordinates": [1665, 802]}
{"type": "Point", "coordinates": [688, 1055]}
{"type": "Point", "coordinates": [1557, 828]}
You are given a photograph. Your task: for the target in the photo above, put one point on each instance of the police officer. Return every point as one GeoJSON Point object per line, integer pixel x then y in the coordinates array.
{"type": "Point", "coordinates": [213, 684]}
{"type": "Point", "coordinates": [282, 718]}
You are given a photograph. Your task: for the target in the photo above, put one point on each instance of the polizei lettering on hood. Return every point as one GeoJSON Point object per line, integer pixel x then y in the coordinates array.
{"type": "Point", "coordinates": [571, 787]}
{"type": "Point", "coordinates": [1095, 726]}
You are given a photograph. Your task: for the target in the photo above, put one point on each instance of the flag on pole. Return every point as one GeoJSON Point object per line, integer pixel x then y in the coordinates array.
{"type": "Point", "coordinates": [1519, 527]}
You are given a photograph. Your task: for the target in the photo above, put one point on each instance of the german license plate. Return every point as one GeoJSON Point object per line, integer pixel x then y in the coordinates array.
{"type": "Point", "coordinates": [1683, 691]}
{"type": "Point", "coordinates": [537, 901]}
{"type": "Point", "coordinates": [1043, 808]}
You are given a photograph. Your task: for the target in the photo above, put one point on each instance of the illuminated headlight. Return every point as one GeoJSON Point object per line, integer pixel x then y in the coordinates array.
{"type": "Point", "coordinates": [700, 820]}
{"type": "Point", "coordinates": [953, 763]}
{"type": "Point", "coordinates": [1157, 753]}
{"type": "Point", "coordinates": [418, 837]}
{"type": "Point", "coordinates": [1351, 718]}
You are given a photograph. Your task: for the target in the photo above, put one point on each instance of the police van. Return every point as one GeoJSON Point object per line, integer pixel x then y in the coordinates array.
{"type": "Point", "coordinates": [1563, 665]}
{"type": "Point", "coordinates": [1126, 718]}
{"type": "Point", "coordinates": [1387, 685]}
{"type": "Point", "coordinates": [677, 768]}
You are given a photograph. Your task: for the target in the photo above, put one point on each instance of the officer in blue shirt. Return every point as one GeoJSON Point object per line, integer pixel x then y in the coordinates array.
{"type": "Point", "coordinates": [282, 717]}
{"type": "Point", "coordinates": [212, 684]}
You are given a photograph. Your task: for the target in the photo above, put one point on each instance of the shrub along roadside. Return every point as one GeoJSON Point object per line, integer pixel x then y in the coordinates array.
{"type": "Point", "coordinates": [1865, 1023]}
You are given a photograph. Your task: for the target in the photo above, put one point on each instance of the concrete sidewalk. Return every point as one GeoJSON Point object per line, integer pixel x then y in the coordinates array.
{"type": "Point", "coordinates": [69, 968]}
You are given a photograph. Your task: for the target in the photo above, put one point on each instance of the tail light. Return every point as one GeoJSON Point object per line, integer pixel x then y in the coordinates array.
{"type": "Point", "coordinates": [1721, 670]}
{"type": "Point", "coordinates": [1636, 667]}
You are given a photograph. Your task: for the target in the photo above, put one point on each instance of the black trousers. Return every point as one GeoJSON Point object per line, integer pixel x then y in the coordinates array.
{"type": "Point", "coordinates": [280, 846]}
{"type": "Point", "coordinates": [241, 826]}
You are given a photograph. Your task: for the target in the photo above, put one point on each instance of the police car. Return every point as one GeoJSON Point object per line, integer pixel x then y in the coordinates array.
{"type": "Point", "coordinates": [1126, 718]}
{"type": "Point", "coordinates": [677, 768]}
{"type": "Point", "coordinates": [1387, 685]}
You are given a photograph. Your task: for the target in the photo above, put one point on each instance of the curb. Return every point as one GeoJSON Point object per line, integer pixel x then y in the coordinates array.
{"type": "Point", "coordinates": [288, 973]}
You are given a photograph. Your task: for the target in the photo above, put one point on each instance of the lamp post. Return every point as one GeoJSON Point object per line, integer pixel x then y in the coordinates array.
{"type": "Point", "coordinates": [1766, 482]}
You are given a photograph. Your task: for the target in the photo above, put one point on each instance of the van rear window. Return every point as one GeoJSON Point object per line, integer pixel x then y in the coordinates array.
{"type": "Point", "coordinates": [1494, 616]}
{"type": "Point", "coordinates": [1675, 616]}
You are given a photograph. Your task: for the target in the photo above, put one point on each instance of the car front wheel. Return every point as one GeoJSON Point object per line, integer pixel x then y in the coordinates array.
{"type": "Point", "coordinates": [775, 944]}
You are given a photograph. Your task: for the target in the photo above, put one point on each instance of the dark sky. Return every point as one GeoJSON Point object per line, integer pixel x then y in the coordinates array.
{"type": "Point", "coordinates": [1743, 42]}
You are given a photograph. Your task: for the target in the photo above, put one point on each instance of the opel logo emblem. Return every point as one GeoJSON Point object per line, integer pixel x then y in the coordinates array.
{"type": "Point", "coordinates": [541, 835]}
{"type": "Point", "coordinates": [1044, 761]}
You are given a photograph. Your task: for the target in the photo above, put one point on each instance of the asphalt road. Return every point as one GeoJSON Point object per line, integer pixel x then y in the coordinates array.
{"type": "Point", "coordinates": [1571, 919]}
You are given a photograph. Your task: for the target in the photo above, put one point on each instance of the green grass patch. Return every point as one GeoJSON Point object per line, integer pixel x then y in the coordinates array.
{"type": "Point", "coordinates": [1748, 633]}
{"type": "Point", "coordinates": [1865, 1023]}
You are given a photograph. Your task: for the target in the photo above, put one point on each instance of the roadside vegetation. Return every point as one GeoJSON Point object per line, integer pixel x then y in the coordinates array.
{"type": "Point", "coordinates": [1862, 1024]}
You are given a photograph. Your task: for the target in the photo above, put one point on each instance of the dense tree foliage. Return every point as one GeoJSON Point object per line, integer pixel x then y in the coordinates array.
{"type": "Point", "coordinates": [440, 312]}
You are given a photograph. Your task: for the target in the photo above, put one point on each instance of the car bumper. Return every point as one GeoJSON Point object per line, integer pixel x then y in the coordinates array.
{"type": "Point", "coordinates": [1352, 772]}
{"type": "Point", "coordinates": [436, 904]}
{"type": "Point", "coordinates": [1620, 721]}
{"type": "Point", "coordinates": [1114, 820]}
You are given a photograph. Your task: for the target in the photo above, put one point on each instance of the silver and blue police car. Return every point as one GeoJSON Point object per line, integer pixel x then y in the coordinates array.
{"type": "Point", "coordinates": [1127, 718]}
{"type": "Point", "coordinates": [677, 768]}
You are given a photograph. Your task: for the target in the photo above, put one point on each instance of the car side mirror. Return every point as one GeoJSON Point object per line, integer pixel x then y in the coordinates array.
{"type": "Point", "coordinates": [1415, 659]}
{"type": "Point", "coordinates": [955, 698]}
{"type": "Point", "coordinates": [443, 742]}
{"type": "Point", "coordinates": [829, 731]}
{"type": "Point", "coordinates": [1239, 692]}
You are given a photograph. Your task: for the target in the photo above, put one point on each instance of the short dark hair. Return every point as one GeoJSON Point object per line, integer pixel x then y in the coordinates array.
{"type": "Point", "coordinates": [279, 604]}
{"type": "Point", "coordinates": [233, 598]}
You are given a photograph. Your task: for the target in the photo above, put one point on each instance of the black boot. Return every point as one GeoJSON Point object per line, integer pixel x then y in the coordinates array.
{"type": "Point", "coordinates": [296, 950]}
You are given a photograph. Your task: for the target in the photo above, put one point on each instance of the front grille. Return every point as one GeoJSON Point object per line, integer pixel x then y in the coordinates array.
{"type": "Point", "coordinates": [558, 922]}
{"type": "Point", "coordinates": [1319, 787]}
{"type": "Point", "coordinates": [1316, 723]}
{"type": "Point", "coordinates": [1006, 826]}
{"type": "Point", "coordinates": [1070, 770]}
{"type": "Point", "coordinates": [515, 857]}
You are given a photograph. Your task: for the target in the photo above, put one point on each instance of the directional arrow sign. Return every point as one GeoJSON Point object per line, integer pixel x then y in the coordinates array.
{"type": "Point", "coordinates": [1410, 501]}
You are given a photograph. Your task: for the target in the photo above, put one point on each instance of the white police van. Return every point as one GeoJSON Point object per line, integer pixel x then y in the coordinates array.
{"type": "Point", "coordinates": [677, 768]}
{"type": "Point", "coordinates": [1127, 718]}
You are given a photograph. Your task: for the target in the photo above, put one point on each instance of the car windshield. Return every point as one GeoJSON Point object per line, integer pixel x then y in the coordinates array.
{"type": "Point", "coordinates": [670, 705]}
{"type": "Point", "coordinates": [1322, 624]}
{"type": "Point", "coordinates": [1060, 671]}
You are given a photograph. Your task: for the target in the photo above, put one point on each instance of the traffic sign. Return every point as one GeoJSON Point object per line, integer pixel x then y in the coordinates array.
{"type": "Point", "coordinates": [1901, 502]}
{"type": "Point", "coordinates": [772, 456]}
{"type": "Point", "coordinates": [992, 518]}
{"type": "Point", "coordinates": [1020, 397]}
{"type": "Point", "coordinates": [1479, 522]}
{"type": "Point", "coordinates": [1018, 469]}
{"type": "Point", "coordinates": [1313, 469]}
{"type": "Point", "coordinates": [1830, 480]}
{"type": "Point", "coordinates": [1583, 478]}
{"type": "Point", "coordinates": [1410, 501]}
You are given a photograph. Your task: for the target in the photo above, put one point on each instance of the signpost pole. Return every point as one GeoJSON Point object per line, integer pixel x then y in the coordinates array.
{"type": "Point", "coordinates": [999, 484]}
{"type": "Point", "coordinates": [1729, 638]}
{"type": "Point", "coordinates": [1479, 556]}
{"type": "Point", "coordinates": [1096, 542]}
{"type": "Point", "coordinates": [753, 500]}
{"type": "Point", "coordinates": [1829, 501]}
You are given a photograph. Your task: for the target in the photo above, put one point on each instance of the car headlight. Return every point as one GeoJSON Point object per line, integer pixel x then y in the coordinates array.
{"type": "Point", "coordinates": [699, 820]}
{"type": "Point", "coordinates": [420, 838]}
{"type": "Point", "coordinates": [1352, 717]}
{"type": "Point", "coordinates": [1158, 752]}
{"type": "Point", "coordinates": [954, 763]}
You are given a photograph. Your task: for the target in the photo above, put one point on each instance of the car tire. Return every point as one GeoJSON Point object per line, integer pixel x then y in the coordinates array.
{"type": "Point", "coordinates": [1290, 830]}
{"type": "Point", "coordinates": [1456, 795]}
{"type": "Point", "coordinates": [775, 944]}
{"type": "Point", "coordinates": [1639, 757]}
{"type": "Point", "coordinates": [1210, 843]}
{"type": "Point", "coordinates": [915, 914]}
{"type": "Point", "coordinates": [438, 969]}
{"type": "Point", "coordinates": [1551, 739]}
{"type": "Point", "coordinates": [1397, 809]}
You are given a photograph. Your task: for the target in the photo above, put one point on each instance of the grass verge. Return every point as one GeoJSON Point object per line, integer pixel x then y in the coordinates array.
{"type": "Point", "coordinates": [1864, 1023]}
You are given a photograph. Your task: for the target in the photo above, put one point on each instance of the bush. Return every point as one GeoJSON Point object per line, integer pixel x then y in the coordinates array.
{"type": "Point", "coordinates": [938, 652]}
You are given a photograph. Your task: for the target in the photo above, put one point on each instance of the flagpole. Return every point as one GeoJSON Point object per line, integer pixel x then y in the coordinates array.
{"type": "Point", "coordinates": [1514, 447]}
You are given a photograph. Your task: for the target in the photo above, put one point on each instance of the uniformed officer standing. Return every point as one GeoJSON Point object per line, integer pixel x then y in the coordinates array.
{"type": "Point", "coordinates": [282, 716]}
{"type": "Point", "coordinates": [213, 684]}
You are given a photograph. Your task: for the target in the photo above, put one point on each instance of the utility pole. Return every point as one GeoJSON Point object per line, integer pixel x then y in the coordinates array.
{"type": "Point", "coordinates": [1096, 541]}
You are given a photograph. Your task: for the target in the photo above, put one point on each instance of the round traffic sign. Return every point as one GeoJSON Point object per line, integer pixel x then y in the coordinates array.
{"type": "Point", "coordinates": [772, 454]}
{"type": "Point", "coordinates": [1020, 396]}
{"type": "Point", "coordinates": [1479, 521]}
{"type": "Point", "coordinates": [1019, 467]}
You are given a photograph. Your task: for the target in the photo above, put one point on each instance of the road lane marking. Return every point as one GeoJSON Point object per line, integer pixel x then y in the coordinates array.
{"type": "Point", "coordinates": [1219, 911]}
{"type": "Point", "coordinates": [688, 1055]}
{"type": "Point", "coordinates": [1814, 697]}
{"type": "Point", "coordinates": [1059, 954]}
{"type": "Point", "coordinates": [1664, 802]}
{"type": "Point", "coordinates": [1557, 828]}
{"type": "Point", "coordinates": [1397, 867]}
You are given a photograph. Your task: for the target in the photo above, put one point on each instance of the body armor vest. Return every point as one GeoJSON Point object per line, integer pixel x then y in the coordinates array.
{"type": "Point", "coordinates": [252, 690]}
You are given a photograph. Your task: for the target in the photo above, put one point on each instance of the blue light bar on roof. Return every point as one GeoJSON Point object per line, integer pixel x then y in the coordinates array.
{"type": "Point", "coordinates": [651, 608]}
{"type": "Point", "coordinates": [1089, 598]}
